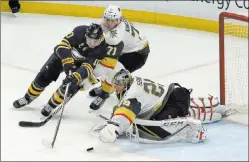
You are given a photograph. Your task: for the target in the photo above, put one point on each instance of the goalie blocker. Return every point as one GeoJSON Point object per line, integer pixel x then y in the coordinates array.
{"type": "Point", "coordinates": [162, 109]}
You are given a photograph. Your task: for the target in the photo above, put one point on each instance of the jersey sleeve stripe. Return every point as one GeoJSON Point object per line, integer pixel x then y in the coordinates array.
{"type": "Point", "coordinates": [145, 45]}
{"type": "Point", "coordinates": [109, 62]}
{"type": "Point", "coordinates": [88, 66]}
{"type": "Point", "coordinates": [66, 41]}
{"type": "Point", "coordinates": [62, 43]}
{"type": "Point", "coordinates": [107, 87]}
{"type": "Point", "coordinates": [126, 113]}
{"type": "Point", "coordinates": [77, 76]}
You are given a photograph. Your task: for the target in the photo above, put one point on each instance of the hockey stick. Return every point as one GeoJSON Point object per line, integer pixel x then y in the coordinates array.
{"type": "Point", "coordinates": [59, 121]}
{"type": "Point", "coordinates": [41, 123]}
{"type": "Point", "coordinates": [135, 137]}
{"type": "Point", "coordinates": [159, 123]}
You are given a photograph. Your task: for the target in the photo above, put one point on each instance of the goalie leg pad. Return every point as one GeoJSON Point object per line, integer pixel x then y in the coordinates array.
{"type": "Point", "coordinates": [185, 130]}
{"type": "Point", "coordinates": [177, 130]}
{"type": "Point", "coordinates": [196, 132]}
{"type": "Point", "coordinates": [207, 110]}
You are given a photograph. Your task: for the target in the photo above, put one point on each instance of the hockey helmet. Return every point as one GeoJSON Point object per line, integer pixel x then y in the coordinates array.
{"type": "Point", "coordinates": [94, 31]}
{"type": "Point", "coordinates": [123, 77]}
{"type": "Point", "coordinates": [112, 12]}
{"type": "Point", "coordinates": [94, 35]}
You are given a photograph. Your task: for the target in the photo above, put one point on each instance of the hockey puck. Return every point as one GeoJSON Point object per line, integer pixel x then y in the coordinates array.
{"type": "Point", "coordinates": [89, 149]}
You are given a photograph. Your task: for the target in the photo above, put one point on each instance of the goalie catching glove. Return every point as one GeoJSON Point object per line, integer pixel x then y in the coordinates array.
{"type": "Point", "coordinates": [107, 132]}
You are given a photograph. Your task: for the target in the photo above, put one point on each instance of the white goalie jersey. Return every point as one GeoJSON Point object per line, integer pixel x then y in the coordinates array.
{"type": "Point", "coordinates": [151, 96]}
{"type": "Point", "coordinates": [140, 102]}
{"type": "Point", "coordinates": [148, 93]}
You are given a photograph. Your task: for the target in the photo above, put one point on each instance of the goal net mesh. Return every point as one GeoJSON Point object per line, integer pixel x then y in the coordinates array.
{"type": "Point", "coordinates": [236, 64]}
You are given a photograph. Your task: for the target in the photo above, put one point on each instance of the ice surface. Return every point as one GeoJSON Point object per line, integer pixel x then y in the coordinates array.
{"type": "Point", "coordinates": [177, 55]}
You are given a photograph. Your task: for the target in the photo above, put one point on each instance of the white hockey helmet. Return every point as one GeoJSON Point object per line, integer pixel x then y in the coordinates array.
{"type": "Point", "coordinates": [112, 12]}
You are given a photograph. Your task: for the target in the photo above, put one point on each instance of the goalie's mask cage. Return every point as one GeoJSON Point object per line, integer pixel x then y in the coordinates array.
{"type": "Point", "coordinates": [233, 49]}
{"type": "Point", "coordinates": [123, 77]}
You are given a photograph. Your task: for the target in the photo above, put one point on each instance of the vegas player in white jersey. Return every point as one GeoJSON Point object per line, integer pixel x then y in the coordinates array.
{"type": "Point", "coordinates": [145, 99]}
{"type": "Point", "coordinates": [116, 28]}
{"type": "Point", "coordinates": [135, 49]}
{"type": "Point", "coordinates": [169, 105]}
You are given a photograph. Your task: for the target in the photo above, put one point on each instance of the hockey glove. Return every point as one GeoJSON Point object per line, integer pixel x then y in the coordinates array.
{"type": "Point", "coordinates": [68, 65]}
{"type": "Point", "coordinates": [74, 81]}
{"type": "Point", "coordinates": [110, 132]}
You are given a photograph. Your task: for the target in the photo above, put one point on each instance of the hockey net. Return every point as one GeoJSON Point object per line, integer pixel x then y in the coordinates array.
{"type": "Point", "coordinates": [233, 41]}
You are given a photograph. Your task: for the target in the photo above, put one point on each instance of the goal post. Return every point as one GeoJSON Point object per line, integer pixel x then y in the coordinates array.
{"type": "Point", "coordinates": [233, 57]}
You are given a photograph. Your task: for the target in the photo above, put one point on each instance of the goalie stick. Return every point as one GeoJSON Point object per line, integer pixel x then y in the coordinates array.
{"type": "Point", "coordinates": [135, 137]}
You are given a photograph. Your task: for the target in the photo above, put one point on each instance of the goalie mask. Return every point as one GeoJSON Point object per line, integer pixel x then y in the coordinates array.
{"type": "Point", "coordinates": [122, 81]}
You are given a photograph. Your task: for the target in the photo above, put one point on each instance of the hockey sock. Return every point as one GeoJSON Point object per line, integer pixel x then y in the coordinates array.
{"type": "Point", "coordinates": [57, 97]}
{"type": "Point", "coordinates": [34, 91]}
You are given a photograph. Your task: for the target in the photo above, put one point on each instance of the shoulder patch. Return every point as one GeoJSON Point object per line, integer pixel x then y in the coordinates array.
{"type": "Point", "coordinates": [113, 33]}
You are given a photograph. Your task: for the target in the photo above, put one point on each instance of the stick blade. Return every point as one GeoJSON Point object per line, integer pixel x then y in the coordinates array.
{"type": "Point", "coordinates": [46, 143]}
{"type": "Point", "coordinates": [29, 124]}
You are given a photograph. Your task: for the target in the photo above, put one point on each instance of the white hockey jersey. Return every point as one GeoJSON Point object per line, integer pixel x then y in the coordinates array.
{"type": "Point", "coordinates": [124, 38]}
{"type": "Point", "coordinates": [134, 40]}
{"type": "Point", "coordinates": [148, 95]}
{"type": "Point", "coordinates": [126, 32]}
{"type": "Point", "coordinates": [101, 72]}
